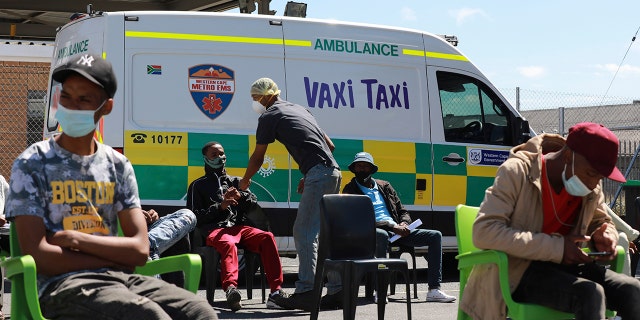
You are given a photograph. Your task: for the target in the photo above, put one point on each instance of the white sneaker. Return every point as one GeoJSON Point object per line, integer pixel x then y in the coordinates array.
{"type": "Point", "coordinates": [436, 295]}
{"type": "Point", "coordinates": [375, 298]}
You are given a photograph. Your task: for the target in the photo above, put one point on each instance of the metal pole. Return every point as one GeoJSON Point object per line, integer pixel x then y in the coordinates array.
{"type": "Point", "coordinates": [561, 121]}
{"type": "Point", "coordinates": [518, 99]}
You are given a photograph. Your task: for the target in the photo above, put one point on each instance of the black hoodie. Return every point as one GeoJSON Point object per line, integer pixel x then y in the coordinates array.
{"type": "Point", "coordinates": [205, 196]}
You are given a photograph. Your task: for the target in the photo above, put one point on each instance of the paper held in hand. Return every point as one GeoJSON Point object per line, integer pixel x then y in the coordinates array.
{"type": "Point", "coordinates": [412, 226]}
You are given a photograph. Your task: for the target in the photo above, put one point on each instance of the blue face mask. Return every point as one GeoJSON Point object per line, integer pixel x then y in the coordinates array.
{"type": "Point", "coordinates": [215, 163]}
{"type": "Point", "coordinates": [76, 123]}
{"type": "Point", "coordinates": [574, 185]}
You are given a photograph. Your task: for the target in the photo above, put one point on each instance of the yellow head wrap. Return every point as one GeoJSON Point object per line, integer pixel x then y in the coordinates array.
{"type": "Point", "coordinates": [265, 87]}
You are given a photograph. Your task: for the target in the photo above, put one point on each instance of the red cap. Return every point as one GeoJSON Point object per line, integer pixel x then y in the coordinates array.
{"type": "Point", "coordinates": [599, 146]}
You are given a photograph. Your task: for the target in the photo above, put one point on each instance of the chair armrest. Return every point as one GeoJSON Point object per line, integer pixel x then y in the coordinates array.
{"type": "Point", "coordinates": [189, 263]}
{"type": "Point", "coordinates": [24, 285]}
{"type": "Point", "coordinates": [618, 263]}
{"type": "Point", "coordinates": [499, 258]}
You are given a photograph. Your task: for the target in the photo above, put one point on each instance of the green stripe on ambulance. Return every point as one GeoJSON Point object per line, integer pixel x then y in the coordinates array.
{"type": "Point", "coordinates": [167, 162]}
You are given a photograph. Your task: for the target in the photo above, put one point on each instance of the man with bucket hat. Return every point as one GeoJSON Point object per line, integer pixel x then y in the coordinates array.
{"type": "Point", "coordinates": [545, 204]}
{"type": "Point", "coordinates": [392, 218]}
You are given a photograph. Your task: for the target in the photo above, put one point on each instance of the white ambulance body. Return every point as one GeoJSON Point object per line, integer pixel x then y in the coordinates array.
{"type": "Point", "coordinates": [436, 127]}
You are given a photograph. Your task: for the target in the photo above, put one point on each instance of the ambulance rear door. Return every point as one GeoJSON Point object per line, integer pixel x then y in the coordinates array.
{"type": "Point", "coordinates": [73, 41]}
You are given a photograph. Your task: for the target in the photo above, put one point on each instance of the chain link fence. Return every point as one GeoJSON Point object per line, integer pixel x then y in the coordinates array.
{"type": "Point", "coordinates": [554, 112]}
{"type": "Point", "coordinates": [23, 87]}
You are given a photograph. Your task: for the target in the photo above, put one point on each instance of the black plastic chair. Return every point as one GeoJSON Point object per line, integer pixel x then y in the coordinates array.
{"type": "Point", "coordinates": [395, 250]}
{"type": "Point", "coordinates": [347, 245]}
{"type": "Point", "coordinates": [211, 264]}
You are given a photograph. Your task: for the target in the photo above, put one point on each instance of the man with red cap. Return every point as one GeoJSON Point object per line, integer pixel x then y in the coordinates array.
{"type": "Point", "coordinates": [545, 204]}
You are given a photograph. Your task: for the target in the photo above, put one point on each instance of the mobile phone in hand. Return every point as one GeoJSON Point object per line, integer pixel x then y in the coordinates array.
{"type": "Point", "coordinates": [599, 253]}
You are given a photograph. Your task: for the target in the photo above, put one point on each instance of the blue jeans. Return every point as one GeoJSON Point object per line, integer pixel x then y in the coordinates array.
{"type": "Point", "coordinates": [585, 290]}
{"type": "Point", "coordinates": [318, 181]}
{"type": "Point", "coordinates": [168, 230]}
{"type": "Point", "coordinates": [417, 238]}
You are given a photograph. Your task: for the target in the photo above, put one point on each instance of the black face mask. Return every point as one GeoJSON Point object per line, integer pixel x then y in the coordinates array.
{"type": "Point", "coordinates": [363, 178]}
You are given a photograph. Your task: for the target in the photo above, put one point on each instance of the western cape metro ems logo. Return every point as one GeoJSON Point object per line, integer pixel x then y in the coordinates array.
{"type": "Point", "coordinates": [212, 87]}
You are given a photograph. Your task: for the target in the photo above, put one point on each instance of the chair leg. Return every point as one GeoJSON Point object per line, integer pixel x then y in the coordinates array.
{"type": "Point", "coordinates": [350, 293]}
{"type": "Point", "coordinates": [383, 281]}
{"type": "Point", "coordinates": [392, 278]}
{"type": "Point", "coordinates": [263, 282]}
{"type": "Point", "coordinates": [408, 290]}
{"type": "Point", "coordinates": [212, 259]}
{"type": "Point", "coordinates": [317, 288]}
{"type": "Point", "coordinates": [415, 276]}
{"type": "Point", "coordinates": [369, 286]}
{"type": "Point", "coordinates": [250, 269]}
{"type": "Point", "coordinates": [253, 261]}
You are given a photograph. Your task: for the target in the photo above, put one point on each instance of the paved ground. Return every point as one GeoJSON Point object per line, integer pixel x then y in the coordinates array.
{"type": "Point", "coordinates": [396, 309]}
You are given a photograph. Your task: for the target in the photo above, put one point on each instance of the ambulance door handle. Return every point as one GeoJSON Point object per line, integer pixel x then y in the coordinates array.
{"type": "Point", "coordinates": [453, 159]}
{"type": "Point", "coordinates": [275, 22]}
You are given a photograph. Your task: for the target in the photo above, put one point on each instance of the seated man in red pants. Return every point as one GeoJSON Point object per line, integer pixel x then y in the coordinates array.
{"type": "Point", "coordinates": [220, 208]}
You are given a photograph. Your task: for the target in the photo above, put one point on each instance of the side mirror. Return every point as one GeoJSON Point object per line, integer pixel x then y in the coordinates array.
{"type": "Point", "coordinates": [522, 131]}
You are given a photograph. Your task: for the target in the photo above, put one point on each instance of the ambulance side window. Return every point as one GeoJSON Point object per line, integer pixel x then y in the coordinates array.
{"type": "Point", "coordinates": [471, 112]}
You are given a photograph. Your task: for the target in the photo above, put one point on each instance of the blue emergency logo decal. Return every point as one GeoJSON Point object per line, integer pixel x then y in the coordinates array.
{"type": "Point", "coordinates": [484, 157]}
{"type": "Point", "coordinates": [212, 87]}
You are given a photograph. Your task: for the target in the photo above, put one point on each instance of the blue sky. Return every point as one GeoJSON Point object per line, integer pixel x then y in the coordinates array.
{"type": "Point", "coordinates": [552, 46]}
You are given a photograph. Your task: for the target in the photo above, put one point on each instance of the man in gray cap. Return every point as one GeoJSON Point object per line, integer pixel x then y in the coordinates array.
{"type": "Point", "coordinates": [67, 197]}
{"type": "Point", "coordinates": [392, 218]}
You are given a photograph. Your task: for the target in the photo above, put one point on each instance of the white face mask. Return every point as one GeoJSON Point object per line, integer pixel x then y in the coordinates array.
{"type": "Point", "coordinates": [258, 107]}
{"type": "Point", "coordinates": [76, 123]}
{"type": "Point", "coordinates": [215, 163]}
{"type": "Point", "coordinates": [574, 185]}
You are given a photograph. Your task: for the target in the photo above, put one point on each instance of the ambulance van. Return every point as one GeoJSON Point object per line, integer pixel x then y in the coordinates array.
{"type": "Point", "coordinates": [435, 125]}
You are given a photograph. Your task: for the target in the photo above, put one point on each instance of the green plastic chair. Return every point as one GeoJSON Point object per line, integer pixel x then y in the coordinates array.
{"type": "Point", "coordinates": [470, 256]}
{"type": "Point", "coordinates": [21, 270]}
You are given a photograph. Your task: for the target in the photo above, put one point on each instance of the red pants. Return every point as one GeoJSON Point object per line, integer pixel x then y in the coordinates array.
{"type": "Point", "coordinates": [224, 240]}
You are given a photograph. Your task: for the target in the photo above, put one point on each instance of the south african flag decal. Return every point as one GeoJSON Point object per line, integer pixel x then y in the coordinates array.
{"type": "Point", "coordinates": [154, 69]}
